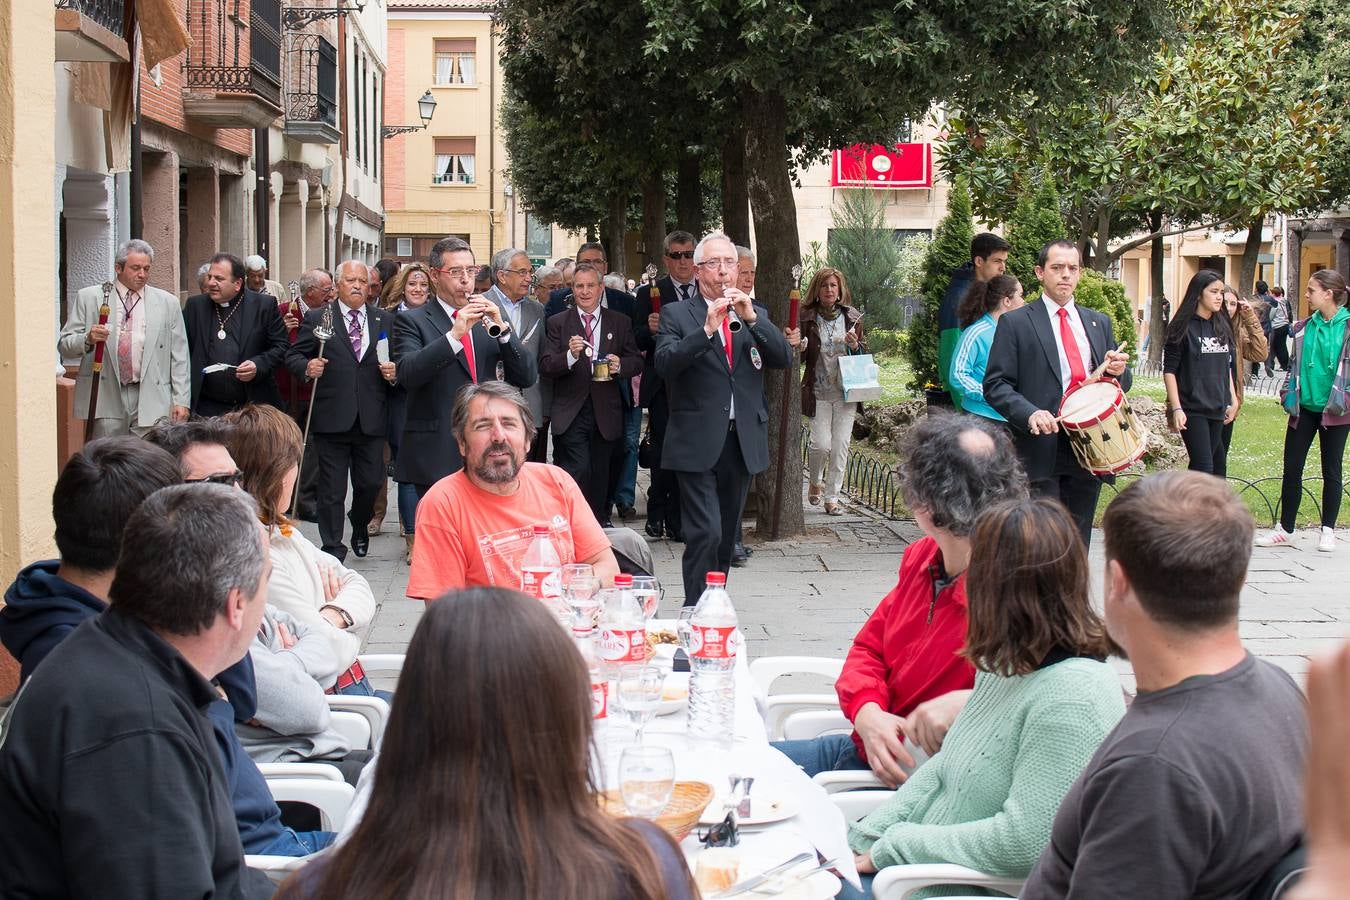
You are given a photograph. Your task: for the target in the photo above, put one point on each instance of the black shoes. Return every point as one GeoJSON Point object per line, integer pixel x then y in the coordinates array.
{"type": "Point", "coordinates": [606, 523]}
{"type": "Point", "coordinates": [627, 512]}
{"type": "Point", "coordinates": [654, 529]}
{"type": "Point", "coordinates": [360, 545]}
{"type": "Point", "coordinates": [739, 555]}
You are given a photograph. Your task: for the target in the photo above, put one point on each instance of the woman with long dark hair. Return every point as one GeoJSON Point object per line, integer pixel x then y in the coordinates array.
{"type": "Point", "coordinates": [831, 327]}
{"type": "Point", "coordinates": [1314, 395]}
{"type": "Point", "coordinates": [979, 312]}
{"type": "Point", "coordinates": [483, 787]}
{"type": "Point", "coordinates": [1044, 699]}
{"type": "Point", "coordinates": [1249, 345]}
{"type": "Point", "coordinates": [1198, 361]}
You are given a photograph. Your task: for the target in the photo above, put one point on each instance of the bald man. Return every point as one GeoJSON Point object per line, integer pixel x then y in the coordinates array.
{"type": "Point", "coordinates": [350, 414]}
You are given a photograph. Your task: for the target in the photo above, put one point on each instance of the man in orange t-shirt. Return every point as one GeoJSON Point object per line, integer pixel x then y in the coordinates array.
{"type": "Point", "coordinates": [473, 527]}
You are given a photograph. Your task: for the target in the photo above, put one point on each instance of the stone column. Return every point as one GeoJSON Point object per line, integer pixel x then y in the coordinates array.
{"type": "Point", "coordinates": [1341, 249]}
{"type": "Point", "coordinates": [236, 235]}
{"type": "Point", "coordinates": [275, 188]}
{"type": "Point", "coordinates": [314, 234]}
{"type": "Point", "coordinates": [27, 341]}
{"type": "Point", "coordinates": [159, 213]}
{"type": "Point", "coordinates": [203, 215]}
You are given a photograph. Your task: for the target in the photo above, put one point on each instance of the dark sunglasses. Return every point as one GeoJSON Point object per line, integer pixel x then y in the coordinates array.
{"type": "Point", "coordinates": [723, 834]}
{"type": "Point", "coordinates": [229, 479]}
{"type": "Point", "coordinates": [680, 254]}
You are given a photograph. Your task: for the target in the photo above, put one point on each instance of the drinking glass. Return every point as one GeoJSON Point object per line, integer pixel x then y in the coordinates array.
{"type": "Point", "coordinates": [684, 629]}
{"type": "Point", "coordinates": [646, 780]}
{"type": "Point", "coordinates": [639, 694]}
{"type": "Point", "coordinates": [582, 595]}
{"type": "Point", "coordinates": [647, 591]}
{"type": "Point", "coordinates": [576, 570]}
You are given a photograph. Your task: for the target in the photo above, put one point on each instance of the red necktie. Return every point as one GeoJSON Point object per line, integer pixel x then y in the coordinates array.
{"type": "Point", "coordinates": [726, 338]}
{"type": "Point", "coordinates": [468, 354]}
{"type": "Point", "coordinates": [1076, 373]}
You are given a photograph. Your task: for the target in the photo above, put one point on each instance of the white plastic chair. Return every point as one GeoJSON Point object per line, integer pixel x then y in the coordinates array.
{"type": "Point", "coordinates": [375, 710]}
{"type": "Point", "coordinates": [320, 771]}
{"type": "Point", "coordinates": [808, 724]}
{"type": "Point", "coordinates": [381, 662]}
{"type": "Point", "coordinates": [776, 707]}
{"type": "Point", "coordinates": [354, 728]}
{"type": "Point", "coordinates": [303, 783]}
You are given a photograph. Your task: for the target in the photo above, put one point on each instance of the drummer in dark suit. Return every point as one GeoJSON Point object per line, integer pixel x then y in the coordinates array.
{"type": "Point", "coordinates": [1038, 353]}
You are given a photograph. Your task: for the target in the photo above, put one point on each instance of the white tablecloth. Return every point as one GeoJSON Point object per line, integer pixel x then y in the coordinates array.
{"type": "Point", "coordinates": [819, 825]}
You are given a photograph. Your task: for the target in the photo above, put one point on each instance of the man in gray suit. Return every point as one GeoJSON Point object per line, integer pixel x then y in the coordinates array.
{"type": "Point", "coordinates": [145, 361]}
{"type": "Point", "coordinates": [717, 435]}
{"type": "Point", "coordinates": [513, 273]}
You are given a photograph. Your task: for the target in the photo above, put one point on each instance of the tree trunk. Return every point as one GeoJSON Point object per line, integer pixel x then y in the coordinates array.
{"type": "Point", "coordinates": [1156, 323]}
{"type": "Point", "coordinates": [653, 218]}
{"type": "Point", "coordinates": [735, 199]}
{"type": "Point", "coordinates": [1251, 252]}
{"type": "Point", "coordinates": [689, 196]}
{"type": "Point", "coordinates": [1101, 260]}
{"type": "Point", "coordinates": [769, 185]}
{"type": "Point", "coordinates": [616, 229]}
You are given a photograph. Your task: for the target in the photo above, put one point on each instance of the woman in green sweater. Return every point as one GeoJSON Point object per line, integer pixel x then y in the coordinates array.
{"type": "Point", "coordinates": [1044, 699]}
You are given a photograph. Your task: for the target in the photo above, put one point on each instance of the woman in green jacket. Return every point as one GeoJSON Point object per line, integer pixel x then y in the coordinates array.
{"type": "Point", "coordinates": [1314, 395]}
{"type": "Point", "coordinates": [1044, 699]}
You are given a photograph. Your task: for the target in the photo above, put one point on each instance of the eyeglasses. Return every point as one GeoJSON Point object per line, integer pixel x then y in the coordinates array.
{"type": "Point", "coordinates": [229, 479]}
{"type": "Point", "coordinates": [523, 273]}
{"type": "Point", "coordinates": [720, 263]}
{"type": "Point", "coordinates": [724, 834]}
{"type": "Point", "coordinates": [680, 254]}
{"type": "Point", "coordinates": [458, 271]}
{"type": "Point", "coordinates": [598, 263]}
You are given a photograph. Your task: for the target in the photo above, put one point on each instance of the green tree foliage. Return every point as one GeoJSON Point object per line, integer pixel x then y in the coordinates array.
{"type": "Point", "coordinates": [1215, 130]}
{"type": "Point", "coordinates": [863, 247]}
{"type": "Point", "coordinates": [909, 275]}
{"type": "Point", "coordinates": [1321, 65]}
{"type": "Point", "coordinates": [949, 250]}
{"type": "Point", "coordinates": [1106, 295]}
{"type": "Point", "coordinates": [1035, 220]}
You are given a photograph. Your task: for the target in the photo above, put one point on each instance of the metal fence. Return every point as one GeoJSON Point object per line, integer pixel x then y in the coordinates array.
{"type": "Point", "coordinates": [108, 13]}
{"type": "Point", "coordinates": [1260, 384]}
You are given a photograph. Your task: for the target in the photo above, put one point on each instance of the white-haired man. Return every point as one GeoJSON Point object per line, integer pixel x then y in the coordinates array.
{"type": "Point", "coordinates": [256, 280]}
{"type": "Point", "coordinates": [145, 359]}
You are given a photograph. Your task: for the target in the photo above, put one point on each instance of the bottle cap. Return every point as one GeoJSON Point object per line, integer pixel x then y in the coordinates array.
{"type": "Point", "coordinates": [623, 580]}
{"type": "Point", "coordinates": [542, 529]}
{"type": "Point", "coordinates": [717, 578]}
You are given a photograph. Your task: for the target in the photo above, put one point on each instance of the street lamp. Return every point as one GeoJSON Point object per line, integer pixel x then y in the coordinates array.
{"type": "Point", "coordinates": [426, 108]}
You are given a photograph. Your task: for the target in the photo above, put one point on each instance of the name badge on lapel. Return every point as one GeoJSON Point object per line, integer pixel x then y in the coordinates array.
{"type": "Point", "coordinates": [754, 358]}
{"type": "Point", "coordinates": [501, 370]}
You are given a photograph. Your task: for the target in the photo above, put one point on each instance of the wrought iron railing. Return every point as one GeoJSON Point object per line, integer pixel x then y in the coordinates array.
{"type": "Point", "coordinates": [312, 77]}
{"type": "Point", "coordinates": [231, 53]}
{"type": "Point", "coordinates": [111, 14]}
{"type": "Point", "coordinates": [1262, 384]}
{"type": "Point", "coordinates": [452, 178]}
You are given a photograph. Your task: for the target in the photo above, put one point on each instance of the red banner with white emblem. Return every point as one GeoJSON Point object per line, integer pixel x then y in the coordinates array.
{"type": "Point", "coordinates": [877, 166]}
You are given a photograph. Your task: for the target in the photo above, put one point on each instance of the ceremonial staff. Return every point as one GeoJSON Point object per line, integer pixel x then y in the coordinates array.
{"type": "Point", "coordinates": [294, 309]}
{"type": "Point", "coordinates": [322, 332]}
{"type": "Point", "coordinates": [97, 367]}
{"type": "Point", "coordinates": [794, 302]}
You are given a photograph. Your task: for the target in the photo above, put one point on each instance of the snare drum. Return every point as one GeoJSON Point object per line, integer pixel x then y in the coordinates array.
{"type": "Point", "coordinates": [1105, 434]}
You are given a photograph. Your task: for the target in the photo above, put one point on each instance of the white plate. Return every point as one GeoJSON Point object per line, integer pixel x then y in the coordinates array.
{"type": "Point", "coordinates": [675, 680]}
{"type": "Point", "coordinates": [766, 809]}
{"type": "Point", "coordinates": [816, 887]}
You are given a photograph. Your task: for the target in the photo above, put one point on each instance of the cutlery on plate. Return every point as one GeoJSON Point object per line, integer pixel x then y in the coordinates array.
{"type": "Point", "coordinates": [750, 884]}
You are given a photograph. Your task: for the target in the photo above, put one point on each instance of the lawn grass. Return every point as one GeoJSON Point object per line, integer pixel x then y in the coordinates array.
{"type": "Point", "coordinates": [1255, 460]}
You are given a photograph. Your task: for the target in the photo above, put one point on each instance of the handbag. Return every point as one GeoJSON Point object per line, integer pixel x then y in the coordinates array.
{"type": "Point", "coordinates": [860, 375]}
{"type": "Point", "coordinates": [645, 451]}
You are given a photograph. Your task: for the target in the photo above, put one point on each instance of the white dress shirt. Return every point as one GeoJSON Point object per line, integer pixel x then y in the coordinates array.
{"type": "Point", "coordinates": [347, 325]}
{"type": "Point", "coordinates": [1079, 335]}
{"type": "Point", "coordinates": [455, 343]}
{"type": "Point", "coordinates": [595, 336]}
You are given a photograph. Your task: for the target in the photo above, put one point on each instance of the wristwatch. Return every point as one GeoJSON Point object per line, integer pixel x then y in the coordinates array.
{"type": "Point", "coordinates": [347, 620]}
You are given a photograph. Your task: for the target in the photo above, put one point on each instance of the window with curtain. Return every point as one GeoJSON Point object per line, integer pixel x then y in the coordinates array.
{"type": "Point", "coordinates": [454, 161]}
{"type": "Point", "coordinates": [455, 61]}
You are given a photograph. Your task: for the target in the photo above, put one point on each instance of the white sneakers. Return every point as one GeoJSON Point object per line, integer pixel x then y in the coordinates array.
{"type": "Point", "coordinates": [1326, 541]}
{"type": "Point", "coordinates": [1277, 538]}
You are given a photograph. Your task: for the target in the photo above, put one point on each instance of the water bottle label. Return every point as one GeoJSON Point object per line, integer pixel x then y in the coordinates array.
{"type": "Point", "coordinates": [600, 699]}
{"type": "Point", "coordinates": [623, 646]}
{"type": "Point", "coordinates": [541, 584]}
{"type": "Point", "coordinates": [714, 642]}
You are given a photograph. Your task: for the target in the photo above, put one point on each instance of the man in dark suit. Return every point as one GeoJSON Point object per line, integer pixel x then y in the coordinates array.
{"type": "Point", "coordinates": [233, 326]}
{"type": "Point", "coordinates": [717, 436]}
{"type": "Point", "coordinates": [1038, 353]}
{"type": "Point", "coordinates": [350, 409]}
{"type": "Point", "coordinates": [441, 346]}
{"type": "Point", "coordinates": [591, 252]}
{"type": "Point", "coordinates": [663, 497]}
{"type": "Point", "coordinates": [588, 416]}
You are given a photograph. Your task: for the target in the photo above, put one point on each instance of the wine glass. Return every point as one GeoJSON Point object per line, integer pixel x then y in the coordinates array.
{"type": "Point", "coordinates": [647, 592]}
{"type": "Point", "coordinates": [576, 570]}
{"type": "Point", "coordinates": [639, 694]}
{"type": "Point", "coordinates": [582, 595]}
{"type": "Point", "coordinates": [646, 779]}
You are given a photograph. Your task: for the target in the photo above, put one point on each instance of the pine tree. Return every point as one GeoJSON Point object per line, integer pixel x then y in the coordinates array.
{"type": "Point", "coordinates": [1035, 220]}
{"type": "Point", "coordinates": [864, 248]}
{"type": "Point", "coordinates": [949, 250]}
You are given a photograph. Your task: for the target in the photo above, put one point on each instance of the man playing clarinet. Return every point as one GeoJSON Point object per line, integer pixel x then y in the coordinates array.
{"type": "Point", "coordinates": [1039, 352]}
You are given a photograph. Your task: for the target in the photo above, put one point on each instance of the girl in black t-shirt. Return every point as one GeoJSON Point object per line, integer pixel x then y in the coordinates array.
{"type": "Point", "coordinates": [1198, 373]}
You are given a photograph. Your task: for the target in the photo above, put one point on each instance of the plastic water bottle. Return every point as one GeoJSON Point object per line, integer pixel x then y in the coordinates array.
{"type": "Point", "coordinates": [584, 637]}
{"type": "Point", "coordinates": [714, 643]}
{"type": "Point", "coordinates": [541, 572]}
{"type": "Point", "coordinates": [623, 631]}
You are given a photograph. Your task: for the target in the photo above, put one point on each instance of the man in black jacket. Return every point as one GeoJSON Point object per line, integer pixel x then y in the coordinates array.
{"type": "Point", "coordinates": [111, 783]}
{"type": "Point", "coordinates": [350, 412]}
{"type": "Point", "coordinates": [240, 331]}
{"type": "Point", "coordinates": [717, 436]}
{"type": "Point", "coordinates": [1038, 353]}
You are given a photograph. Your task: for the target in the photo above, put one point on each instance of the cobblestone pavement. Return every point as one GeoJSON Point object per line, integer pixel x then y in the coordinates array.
{"type": "Point", "coordinates": [810, 595]}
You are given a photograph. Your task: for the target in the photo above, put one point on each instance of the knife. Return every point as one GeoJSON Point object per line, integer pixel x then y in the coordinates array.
{"type": "Point", "coordinates": [750, 884]}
